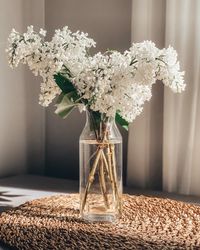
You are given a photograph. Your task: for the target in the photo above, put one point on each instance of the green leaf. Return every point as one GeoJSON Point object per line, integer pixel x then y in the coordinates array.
{"type": "Point", "coordinates": [65, 104]}
{"type": "Point", "coordinates": [121, 121]}
{"type": "Point", "coordinates": [64, 83]}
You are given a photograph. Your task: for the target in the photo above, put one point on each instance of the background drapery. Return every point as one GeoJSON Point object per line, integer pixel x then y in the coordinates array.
{"type": "Point", "coordinates": [164, 143]}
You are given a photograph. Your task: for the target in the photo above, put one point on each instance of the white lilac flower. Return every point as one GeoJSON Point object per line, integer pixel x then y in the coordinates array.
{"type": "Point", "coordinates": [47, 58]}
{"type": "Point", "coordinates": [145, 73]}
{"type": "Point", "coordinates": [109, 83]}
{"type": "Point", "coordinates": [42, 32]}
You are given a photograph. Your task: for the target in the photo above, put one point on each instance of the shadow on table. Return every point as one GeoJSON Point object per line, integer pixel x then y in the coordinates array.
{"type": "Point", "coordinates": [5, 201]}
{"type": "Point", "coordinates": [4, 246]}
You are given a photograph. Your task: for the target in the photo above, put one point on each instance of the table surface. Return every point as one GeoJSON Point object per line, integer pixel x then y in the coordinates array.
{"type": "Point", "coordinates": [16, 190]}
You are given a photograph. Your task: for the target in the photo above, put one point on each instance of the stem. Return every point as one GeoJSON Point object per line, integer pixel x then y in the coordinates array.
{"type": "Point", "coordinates": [102, 182]}
{"type": "Point", "coordinates": [91, 157]}
{"type": "Point", "coordinates": [92, 173]}
{"type": "Point", "coordinates": [90, 179]}
{"type": "Point", "coordinates": [109, 155]}
{"type": "Point", "coordinates": [106, 164]}
{"type": "Point", "coordinates": [109, 166]}
{"type": "Point", "coordinates": [115, 174]}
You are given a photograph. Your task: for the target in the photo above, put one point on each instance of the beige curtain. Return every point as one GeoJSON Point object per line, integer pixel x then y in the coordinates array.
{"type": "Point", "coordinates": [164, 143]}
{"type": "Point", "coordinates": [181, 147]}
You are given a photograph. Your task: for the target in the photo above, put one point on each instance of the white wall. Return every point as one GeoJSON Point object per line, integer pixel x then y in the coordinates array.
{"type": "Point", "coordinates": [21, 118]}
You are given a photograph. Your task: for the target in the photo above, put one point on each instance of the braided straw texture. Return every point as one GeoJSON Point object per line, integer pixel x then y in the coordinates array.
{"type": "Point", "coordinates": [146, 223]}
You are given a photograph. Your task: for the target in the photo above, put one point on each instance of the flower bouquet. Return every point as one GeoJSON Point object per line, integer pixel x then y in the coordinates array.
{"type": "Point", "coordinates": [110, 86]}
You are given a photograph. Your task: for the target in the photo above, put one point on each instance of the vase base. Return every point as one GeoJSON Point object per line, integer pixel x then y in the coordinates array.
{"type": "Point", "coordinates": [106, 218]}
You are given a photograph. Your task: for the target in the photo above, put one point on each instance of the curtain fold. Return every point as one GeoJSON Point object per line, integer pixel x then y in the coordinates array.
{"type": "Point", "coordinates": [144, 152]}
{"type": "Point", "coordinates": [164, 143]}
{"type": "Point", "coordinates": [181, 147]}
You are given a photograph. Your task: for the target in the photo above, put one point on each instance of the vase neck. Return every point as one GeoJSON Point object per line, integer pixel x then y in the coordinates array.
{"type": "Point", "coordinates": [96, 116]}
{"type": "Point", "coordinates": [99, 124]}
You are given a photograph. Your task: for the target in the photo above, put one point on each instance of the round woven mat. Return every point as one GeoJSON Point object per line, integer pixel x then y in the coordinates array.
{"type": "Point", "coordinates": [147, 223]}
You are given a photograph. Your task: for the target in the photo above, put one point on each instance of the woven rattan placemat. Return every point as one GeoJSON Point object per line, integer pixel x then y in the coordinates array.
{"type": "Point", "coordinates": [147, 223]}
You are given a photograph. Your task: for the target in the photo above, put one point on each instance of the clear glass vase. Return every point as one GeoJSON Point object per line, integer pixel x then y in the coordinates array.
{"type": "Point", "coordinates": [100, 169]}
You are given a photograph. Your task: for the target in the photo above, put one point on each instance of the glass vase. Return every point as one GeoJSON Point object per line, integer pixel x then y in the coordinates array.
{"type": "Point", "coordinates": [100, 149]}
